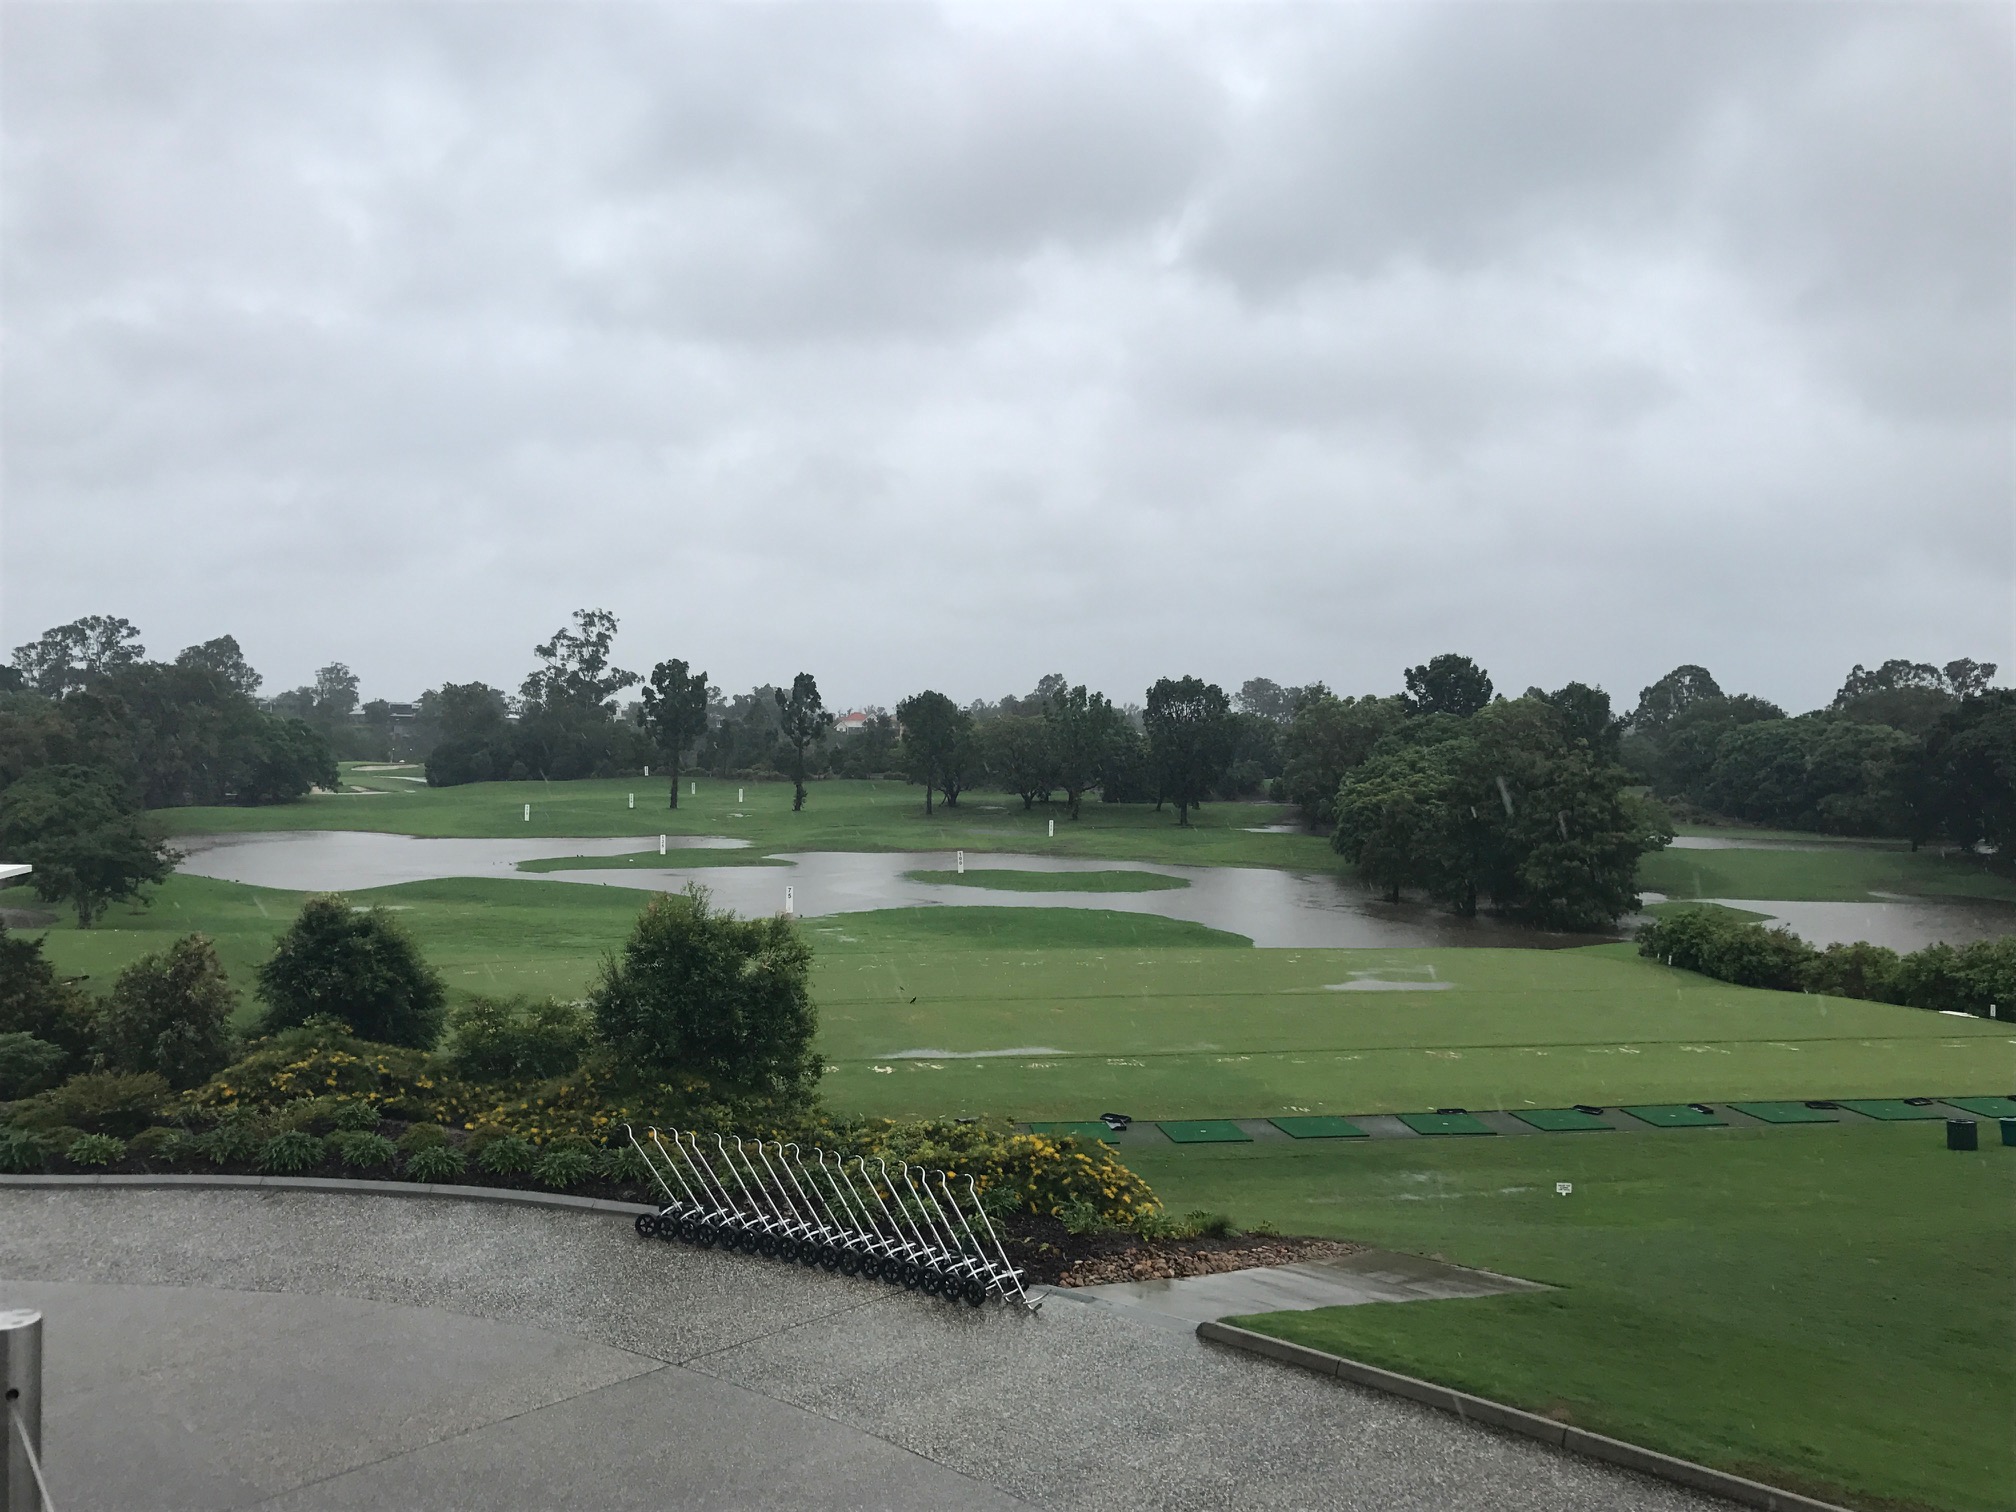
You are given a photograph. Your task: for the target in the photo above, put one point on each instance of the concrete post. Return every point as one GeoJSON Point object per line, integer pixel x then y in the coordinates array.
{"type": "Point", "coordinates": [20, 1409]}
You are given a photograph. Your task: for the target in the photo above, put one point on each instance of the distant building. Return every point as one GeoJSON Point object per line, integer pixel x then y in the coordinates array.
{"type": "Point", "coordinates": [851, 721]}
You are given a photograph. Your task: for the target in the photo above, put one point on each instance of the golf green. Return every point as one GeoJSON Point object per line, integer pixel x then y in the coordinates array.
{"type": "Point", "coordinates": [1891, 1109]}
{"type": "Point", "coordinates": [1986, 1107]}
{"type": "Point", "coordinates": [1559, 1120]}
{"type": "Point", "coordinates": [1445, 1123]}
{"type": "Point", "coordinates": [1076, 1130]}
{"type": "Point", "coordinates": [1676, 1117]}
{"type": "Point", "coordinates": [1320, 1126]}
{"type": "Point", "coordinates": [1204, 1131]}
{"type": "Point", "coordinates": [1787, 1112]}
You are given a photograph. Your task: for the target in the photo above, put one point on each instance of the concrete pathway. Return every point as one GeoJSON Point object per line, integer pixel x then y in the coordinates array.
{"type": "Point", "coordinates": [229, 1349]}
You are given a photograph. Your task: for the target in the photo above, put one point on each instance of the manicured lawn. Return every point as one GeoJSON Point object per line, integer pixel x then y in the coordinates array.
{"type": "Point", "coordinates": [650, 860]}
{"type": "Point", "coordinates": [1839, 874]}
{"type": "Point", "coordinates": [1828, 1309]}
{"type": "Point", "coordinates": [1001, 879]}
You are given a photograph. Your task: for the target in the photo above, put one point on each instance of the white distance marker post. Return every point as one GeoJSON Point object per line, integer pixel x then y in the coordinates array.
{"type": "Point", "coordinates": [738, 795]}
{"type": "Point", "coordinates": [962, 863]}
{"type": "Point", "coordinates": [1563, 1188]}
{"type": "Point", "coordinates": [693, 791]}
{"type": "Point", "coordinates": [528, 813]}
{"type": "Point", "coordinates": [1053, 829]}
{"type": "Point", "coordinates": [647, 771]}
{"type": "Point", "coordinates": [633, 800]}
{"type": "Point", "coordinates": [789, 902]}
{"type": "Point", "coordinates": [662, 842]}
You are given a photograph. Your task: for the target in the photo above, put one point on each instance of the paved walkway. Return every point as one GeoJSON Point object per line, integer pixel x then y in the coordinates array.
{"type": "Point", "coordinates": [224, 1349]}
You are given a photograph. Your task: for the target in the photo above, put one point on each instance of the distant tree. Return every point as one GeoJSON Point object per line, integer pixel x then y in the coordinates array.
{"type": "Point", "coordinates": [1673, 695]}
{"type": "Point", "coordinates": [1190, 735]}
{"type": "Point", "coordinates": [359, 966]}
{"type": "Point", "coordinates": [282, 760]}
{"type": "Point", "coordinates": [1961, 783]}
{"type": "Point", "coordinates": [68, 657]}
{"type": "Point", "coordinates": [567, 708]}
{"type": "Point", "coordinates": [1018, 754]}
{"type": "Point", "coordinates": [707, 994]}
{"type": "Point", "coordinates": [222, 657]}
{"type": "Point", "coordinates": [1967, 678]}
{"type": "Point", "coordinates": [1127, 773]}
{"type": "Point", "coordinates": [933, 727]}
{"type": "Point", "coordinates": [1084, 729]}
{"type": "Point", "coordinates": [675, 714]}
{"type": "Point", "coordinates": [1678, 756]}
{"type": "Point", "coordinates": [88, 845]}
{"type": "Point", "coordinates": [1266, 698]}
{"type": "Point", "coordinates": [804, 720]}
{"type": "Point", "coordinates": [1388, 810]}
{"type": "Point", "coordinates": [171, 1012]}
{"type": "Point", "coordinates": [335, 695]}
{"type": "Point", "coordinates": [964, 764]}
{"type": "Point", "coordinates": [1585, 712]}
{"type": "Point", "coordinates": [1449, 684]}
{"type": "Point", "coordinates": [1327, 738]}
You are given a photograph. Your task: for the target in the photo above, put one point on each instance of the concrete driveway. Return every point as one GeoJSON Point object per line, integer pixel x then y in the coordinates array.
{"type": "Point", "coordinates": [228, 1349]}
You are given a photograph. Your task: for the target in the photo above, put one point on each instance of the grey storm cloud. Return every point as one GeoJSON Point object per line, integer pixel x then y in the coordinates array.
{"type": "Point", "coordinates": [951, 346]}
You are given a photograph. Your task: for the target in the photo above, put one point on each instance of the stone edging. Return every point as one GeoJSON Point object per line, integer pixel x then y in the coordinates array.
{"type": "Point", "coordinates": [1477, 1409]}
{"type": "Point", "coordinates": [341, 1186]}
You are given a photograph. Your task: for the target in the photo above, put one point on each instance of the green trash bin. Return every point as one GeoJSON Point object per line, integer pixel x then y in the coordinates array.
{"type": "Point", "coordinates": [2009, 1131]}
{"type": "Point", "coordinates": [1962, 1134]}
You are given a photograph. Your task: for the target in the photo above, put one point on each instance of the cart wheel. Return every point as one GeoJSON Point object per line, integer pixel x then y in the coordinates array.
{"type": "Point", "coordinates": [913, 1275]}
{"type": "Point", "coordinates": [850, 1263]}
{"type": "Point", "coordinates": [830, 1259]}
{"type": "Point", "coordinates": [975, 1291]}
{"type": "Point", "coordinates": [647, 1224]}
{"type": "Point", "coordinates": [689, 1231]}
{"type": "Point", "coordinates": [706, 1235]}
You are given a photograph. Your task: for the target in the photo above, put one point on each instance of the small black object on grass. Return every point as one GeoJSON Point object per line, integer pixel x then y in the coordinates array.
{"type": "Point", "coordinates": [1821, 1102]}
{"type": "Point", "coordinates": [1586, 1108]}
{"type": "Point", "coordinates": [1701, 1108]}
{"type": "Point", "coordinates": [1117, 1122]}
{"type": "Point", "coordinates": [1962, 1134]}
{"type": "Point", "coordinates": [2009, 1131]}
{"type": "Point", "coordinates": [1452, 1110]}
{"type": "Point", "coordinates": [1918, 1102]}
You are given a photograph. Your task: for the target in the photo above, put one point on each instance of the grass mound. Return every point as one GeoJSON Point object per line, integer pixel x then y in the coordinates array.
{"type": "Point", "coordinates": [1001, 879]}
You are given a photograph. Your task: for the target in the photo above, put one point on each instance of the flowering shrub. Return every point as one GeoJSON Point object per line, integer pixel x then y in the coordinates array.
{"type": "Point", "coordinates": [322, 1061]}
{"type": "Point", "coordinates": [1039, 1173]}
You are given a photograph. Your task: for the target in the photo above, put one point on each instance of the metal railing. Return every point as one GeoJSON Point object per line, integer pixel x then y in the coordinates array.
{"type": "Point", "coordinates": [909, 1227]}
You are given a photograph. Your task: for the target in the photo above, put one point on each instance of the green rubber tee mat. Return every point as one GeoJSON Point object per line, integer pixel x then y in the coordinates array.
{"type": "Point", "coordinates": [1205, 1131]}
{"type": "Point", "coordinates": [1080, 1130]}
{"type": "Point", "coordinates": [1318, 1126]}
{"type": "Point", "coordinates": [1445, 1123]}
{"type": "Point", "coordinates": [1676, 1116]}
{"type": "Point", "coordinates": [1787, 1112]}
{"type": "Point", "coordinates": [1986, 1107]}
{"type": "Point", "coordinates": [1559, 1120]}
{"type": "Point", "coordinates": [1891, 1109]}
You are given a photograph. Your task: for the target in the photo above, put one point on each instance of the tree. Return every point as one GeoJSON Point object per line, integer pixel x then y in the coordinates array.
{"type": "Point", "coordinates": [1084, 729]}
{"type": "Point", "coordinates": [567, 710]}
{"type": "Point", "coordinates": [1449, 684]}
{"type": "Point", "coordinates": [705, 993]}
{"type": "Point", "coordinates": [1388, 809]}
{"type": "Point", "coordinates": [222, 657]}
{"type": "Point", "coordinates": [1266, 698]}
{"type": "Point", "coordinates": [68, 657]}
{"type": "Point", "coordinates": [804, 720]}
{"type": "Point", "coordinates": [1327, 738]}
{"type": "Point", "coordinates": [281, 761]}
{"type": "Point", "coordinates": [1967, 678]}
{"type": "Point", "coordinates": [359, 966]}
{"type": "Point", "coordinates": [1585, 712]}
{"type": "Point", "coordinates": [1672, 695]}
{"type": "Point", "coordinates": [88, 846]}
{"type": "Point", "coordinates": [675, 713]}
{"type": "Point", "coordinates": [962, 764]}
{"type": "Point", "coordinates": [171, 1012]}
{"type": "Point", "coordinates": [1018, 755]}
{"type": "Point", "coordinates": [35, 1002]}
{"type": "Point", "coordinates": [1190, 736]}
{"type": "Point", "coordinates": [1961, 783]}
{"type": "Point", "coordinates": [933, 727]}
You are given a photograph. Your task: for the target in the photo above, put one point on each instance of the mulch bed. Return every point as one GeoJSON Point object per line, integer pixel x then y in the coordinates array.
{"type": "Point", "coordinates": [1050, 1253]}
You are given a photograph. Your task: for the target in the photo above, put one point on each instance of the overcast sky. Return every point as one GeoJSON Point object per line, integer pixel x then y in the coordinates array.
{"type": "Point", "coordinates": [915, 346]}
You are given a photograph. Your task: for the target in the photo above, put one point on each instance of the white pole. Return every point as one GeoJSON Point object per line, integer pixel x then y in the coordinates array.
{"type": "Point", "coordinates": [661, 845]}
{"type": "Point", "coordinates": [528, 813]}
{"type": "Point", "coordinates": [693, 791]}
{"type": "Point", "coordinates": [633, 800]}
{"type": "Point", "coordinates": [787, 902]}
{"type": "Point", "coordinates": [1053, 829]}
{"type": "Point", "coordinates": [738, 795]}
{"type": "Point", "coordinates": [647, 769]}
{"type": "Point", "coordinates": [962, 863]}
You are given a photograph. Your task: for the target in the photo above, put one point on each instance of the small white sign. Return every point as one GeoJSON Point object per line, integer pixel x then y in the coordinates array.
{"type": "Point", "coordinates": [1053, 829]}
{"type": "Point", "coordinates": [661, 845]}
{"type": "Point", "coordinates": [789, 896]}
{"type": "Point", "coordinates": [528, 813]}
{"type": "Point", "coordinates": [1563, 1188]}
{"type": "Point", "coordinates": [962, 863]}
{"type": "Point", "coordinates": [633, 800]}
{"type": "Point", "coordinates": [647, 771]}
{"type": "Point", "coordinates": [738, 795]}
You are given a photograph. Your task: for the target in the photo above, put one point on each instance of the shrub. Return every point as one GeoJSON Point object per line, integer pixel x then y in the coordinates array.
{"type": "Point", "coordinates": [1860, 970]}
{"type": "Point", "coordinates": [360, 967]}
{"type": "Point", "coordinates": [1212, 1225]}
{"type": "Point", "coordinates": [436, 1162]}
{"type": "Point", "coordinates": [562, 1166]}
{"type": "Point", "coordinates": [356, 1117]}
{"type": "Point", "coordinates": [362, 1151]}
{"type": "Point", "coordinates": [1081, 1217]}
{"type": "Point", "coordinates": [101, 1102]}
{"type": "Point", "coordinates": [713, 996]}
{"type": "Point", "coordinates": [95, 1149]}
{"type": "Point", "coordinates": [171, 1012]}
{"type": "Point", "coordinates": [160, 1143]}
{"type": "Point", "coordinates": [1716, 943]}
{"type": "Point", "coordinates": [232, 1142]}
{"type": "Point", "coordinates": [1034, 1172]}
{"type": "Point", "coordinates": [507, 1155]}
{"type": "Point", "coordinates": [291, 1151]}
{"type": "Point", "coordinates": [516, 1039]}
{"type": "Point", "coordinates": [29, 1065]}
{"type": "Point", "coordinates": [422, 1136]}
{"type": "Point", "coordinates": [23, 1151]}
{"type": "Point", "coordinates": [325, 1061]}
{"type": "Point", "coordinates": [620, 1164]}
{"type": "Point", "coordinates": [34, 1001]}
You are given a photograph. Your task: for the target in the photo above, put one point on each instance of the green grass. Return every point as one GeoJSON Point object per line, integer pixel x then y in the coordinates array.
{"type": "Point", "coordinates": [838, 816]}
{"type": "Point", "coordinates": [1001, 879]}
{"type": "Point", "coordinates": [684, 857]}
{"type": "Point", "coordinates": [1657, 910]}
{"type": "Point", "coordinates": [1822, 1308]}
{"type": "Point", "coordinates": [1842, 874]}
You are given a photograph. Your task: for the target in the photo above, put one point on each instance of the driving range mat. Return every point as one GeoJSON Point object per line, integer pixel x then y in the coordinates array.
{"type": "Point", "coordinates": [1205, 1131]}
{"type": "Point", "coordinates": [1986, 1107]}
{"type": "Point", "coordinates": [1787, 1112]}
{"type": "Point", "coordinates": [1676, 1116]}
{"type": "Point", "coordinates": [1891, 1109]}
{"type": "Point", "coordinates": [1097, 1131]}
{"type": "Point", "coordinates": [1445, 1123]}
{"type": "Point", "coordinates": [1559, 1120]}
{"type": "Point", "coordinates": [1318, 1126]}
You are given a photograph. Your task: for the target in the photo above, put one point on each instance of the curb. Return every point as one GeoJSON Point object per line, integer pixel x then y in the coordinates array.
{"type": "Point", "coordinates": [345, 1187]}
{"type": "Point", "coordinates": [1492, 1414]}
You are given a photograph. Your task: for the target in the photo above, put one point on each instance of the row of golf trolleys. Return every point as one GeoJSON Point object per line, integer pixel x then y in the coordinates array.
{"type": "Point", "coordinates": [765, 1198]}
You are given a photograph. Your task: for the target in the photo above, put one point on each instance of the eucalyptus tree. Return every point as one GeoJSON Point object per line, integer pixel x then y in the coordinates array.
{"type": "Point", "coordinates": [805, 721]}
{"type": "Point", "coordinates": [675, 714]}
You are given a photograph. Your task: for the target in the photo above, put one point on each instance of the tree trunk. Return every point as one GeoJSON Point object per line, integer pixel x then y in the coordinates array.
{"type": "Point", "coordinates": [1182, 813]}
{"type": "Point", "coordinates": [798, 780]}
{"type": "Point", "coordinates": [675, 784]}
{"type": "Point", "coordinates": [928, 775]}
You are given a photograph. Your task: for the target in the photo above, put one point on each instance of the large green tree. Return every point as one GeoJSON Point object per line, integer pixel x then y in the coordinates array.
{"type": "Point", "coordinates": [934, 729]}
{"type": "Point", "coordinates": [70, 657]}
{"type": "Point", "coordinates": [1448, 684]}
{"type": "Point", "coordinates": [1190, 734]}
{"type": "Point", "coordinates": [675, 714]}
{"type": "Point", "coordinates": [1018, 754]}
{"type": "Point", "coordinates": [802, 716]}
{"type": "Point", "coordinates": [1328, 737]}
{"type": "Point", "coordinates": [567, 724]}
{"type": "Point", "coordinates": [1084, 730]}
{"type": "Point", "coordinates": [701, 992]}
{"type": "Point", "coordinates": [356, 965]}
{"type": "Point", "coordinates": [170, 1012]}
{"type": "Point", "coordinates": [90, 848]}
